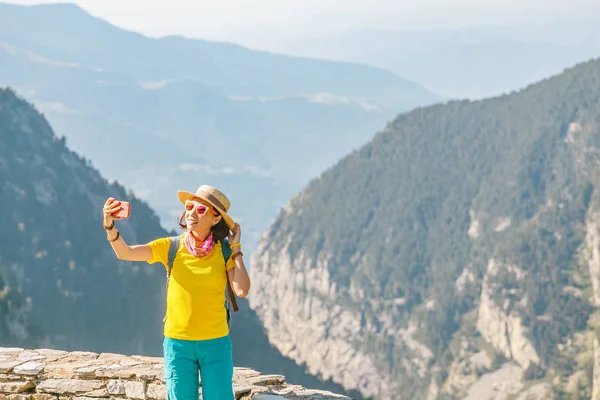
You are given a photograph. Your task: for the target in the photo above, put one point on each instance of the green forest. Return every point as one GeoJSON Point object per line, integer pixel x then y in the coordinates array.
{"type": "Point", "coordinates": [394, 220]}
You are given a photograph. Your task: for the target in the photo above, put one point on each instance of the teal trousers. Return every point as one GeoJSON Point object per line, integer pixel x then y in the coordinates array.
{"type": "Point", "coordinates": [212, 359]}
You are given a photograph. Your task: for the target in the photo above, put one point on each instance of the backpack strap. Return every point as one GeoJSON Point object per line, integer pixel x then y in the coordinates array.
{"type": "Point", "coordinates": [173, 247]}
{"type": "Point", "coordinates": [226, 249]}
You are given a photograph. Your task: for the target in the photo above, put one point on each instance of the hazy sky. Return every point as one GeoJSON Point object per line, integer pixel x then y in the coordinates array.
{"type": "Point", "coordinates": [263, 22]}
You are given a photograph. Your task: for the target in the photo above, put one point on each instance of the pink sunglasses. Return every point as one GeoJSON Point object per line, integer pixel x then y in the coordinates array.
{"type": "Point", "coordinates": [201, 209]}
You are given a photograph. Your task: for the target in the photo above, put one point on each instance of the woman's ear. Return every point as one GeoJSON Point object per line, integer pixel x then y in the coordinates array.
{"type": "Point", "coordinates": [217, 219]}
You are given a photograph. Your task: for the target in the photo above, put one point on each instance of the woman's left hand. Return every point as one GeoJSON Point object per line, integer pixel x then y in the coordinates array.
{"type": "Point", "coordinates": [235, 234]}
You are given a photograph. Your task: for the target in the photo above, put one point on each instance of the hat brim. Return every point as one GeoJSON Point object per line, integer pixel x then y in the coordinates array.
{"type": "Point", "coordinates": [184, 196]}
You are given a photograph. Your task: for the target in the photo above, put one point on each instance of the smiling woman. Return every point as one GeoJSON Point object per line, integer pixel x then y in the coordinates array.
{"type": "Point", "coordinates": [200, 263]}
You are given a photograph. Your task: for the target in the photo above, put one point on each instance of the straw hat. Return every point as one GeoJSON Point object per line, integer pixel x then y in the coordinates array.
{"type": "Point", "coordinates": [212, 196]}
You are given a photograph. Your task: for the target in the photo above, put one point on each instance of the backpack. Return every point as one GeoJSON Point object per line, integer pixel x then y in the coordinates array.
{"type": "Point", "coordinates": [226, 249]}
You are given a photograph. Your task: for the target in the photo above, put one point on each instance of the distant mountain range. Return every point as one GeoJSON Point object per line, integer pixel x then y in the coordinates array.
{"type": "Point", "coordinates": [463, 63]}
{"type": "Point", "coordinates": [167, 114]}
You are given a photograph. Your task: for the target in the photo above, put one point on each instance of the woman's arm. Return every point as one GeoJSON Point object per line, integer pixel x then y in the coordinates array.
{"type": "Point", "coordinates": [238, 276]}
{"type": "Point", "coordinates": [141, 252]}
{"type": "Point", "coordinates": [122, 250]}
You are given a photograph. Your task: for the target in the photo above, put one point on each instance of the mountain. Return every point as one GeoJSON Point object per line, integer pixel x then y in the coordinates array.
{"type": "Point", "coordinates": [252, 349]}
{"type": "Point", "coordinates": [53, 249]}
{"type": "Point", "coordinates": [16, 325]}
{"type": "Point", "coordinates": [61, 285]}
{"type": "Point", "coordinates": [472, 62]}
{"type": "Point", "coordinates": [455, 256]}
{"type": "Point", "coordinates": [168, 114]}
{"type": "Point", "coordinates": [68, 33]}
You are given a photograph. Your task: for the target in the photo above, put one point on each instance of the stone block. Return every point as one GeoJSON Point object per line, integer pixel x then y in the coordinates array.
{"type": "Point", "coordinates": [29, 368]}
{"type": "Point", "coordinates": [69, 386]}
{"type": "Point", "coordinates": [157, 392]}
{"type": "Point", "coordinates": [267, 380]}
{"type": "Point", "coordinates": [115, 387]}
{"type": "Point", "coordinates": [135, 390]}
{"type": "Point", "coordinates": [102, 392]}
{"type": "Point", "coordinates": [16, 386]}
{"type": "Point", "coordinates": [240, 391]}
{"type": "Point", "coordinates": [8, 366]}
{"type": "Point", "coordinates": [38, 396]}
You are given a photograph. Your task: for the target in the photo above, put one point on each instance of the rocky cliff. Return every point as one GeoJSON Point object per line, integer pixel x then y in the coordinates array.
{"type": "Point", "coordinates": [47, 374]}
{"type": "Point", "coordinates": [456, 256]}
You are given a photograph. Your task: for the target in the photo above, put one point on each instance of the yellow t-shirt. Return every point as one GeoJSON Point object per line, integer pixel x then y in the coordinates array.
{"type": "Point", "coordinates": [196, 295]}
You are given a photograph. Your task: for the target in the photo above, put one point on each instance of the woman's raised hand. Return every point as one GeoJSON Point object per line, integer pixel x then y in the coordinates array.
{"type": "Point", "coordinates": [110, 207]}
{"type": "Point", "coordinates": [236, 234]}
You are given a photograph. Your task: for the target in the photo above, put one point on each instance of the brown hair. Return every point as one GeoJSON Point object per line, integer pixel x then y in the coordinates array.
{"type": "Point", "coordinates": [220, 231]}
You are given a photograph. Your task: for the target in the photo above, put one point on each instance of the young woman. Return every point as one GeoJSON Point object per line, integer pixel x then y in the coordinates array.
{"type": "Point", "coordinates": [196, 330]}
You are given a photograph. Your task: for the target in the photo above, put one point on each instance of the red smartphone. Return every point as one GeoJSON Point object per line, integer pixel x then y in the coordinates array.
{"type": "Point", "coordinates": [124, 213]}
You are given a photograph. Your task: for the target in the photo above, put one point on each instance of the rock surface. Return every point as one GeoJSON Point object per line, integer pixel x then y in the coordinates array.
{"type": "Point", "coordinates": [498, 324]}
{"type": "Point", "coordinates": [58, 375]}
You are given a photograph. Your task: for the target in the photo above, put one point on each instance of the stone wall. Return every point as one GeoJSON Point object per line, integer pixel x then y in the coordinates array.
{"type": "Point", "coordinates": [45, 374]}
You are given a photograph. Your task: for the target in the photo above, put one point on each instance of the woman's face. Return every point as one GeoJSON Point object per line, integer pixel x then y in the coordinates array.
{"type": "Point", "coordinates": [200, 216]}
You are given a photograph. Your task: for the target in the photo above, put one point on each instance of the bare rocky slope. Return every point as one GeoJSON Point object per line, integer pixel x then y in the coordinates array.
{"type": "Point", "coordinates": [455, 256]}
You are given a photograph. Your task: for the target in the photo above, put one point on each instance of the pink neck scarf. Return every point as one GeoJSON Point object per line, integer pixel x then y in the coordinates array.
{"type": "Point", "coordinates": [199, 251]}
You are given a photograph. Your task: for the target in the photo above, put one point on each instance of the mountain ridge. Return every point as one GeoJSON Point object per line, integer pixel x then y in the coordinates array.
{"type": "Point", "coordinates": [449, 254]}
{"type": "Point", "coordinates": [205, 56]}
{"type": "Point", "coordinates": [479, 61]}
